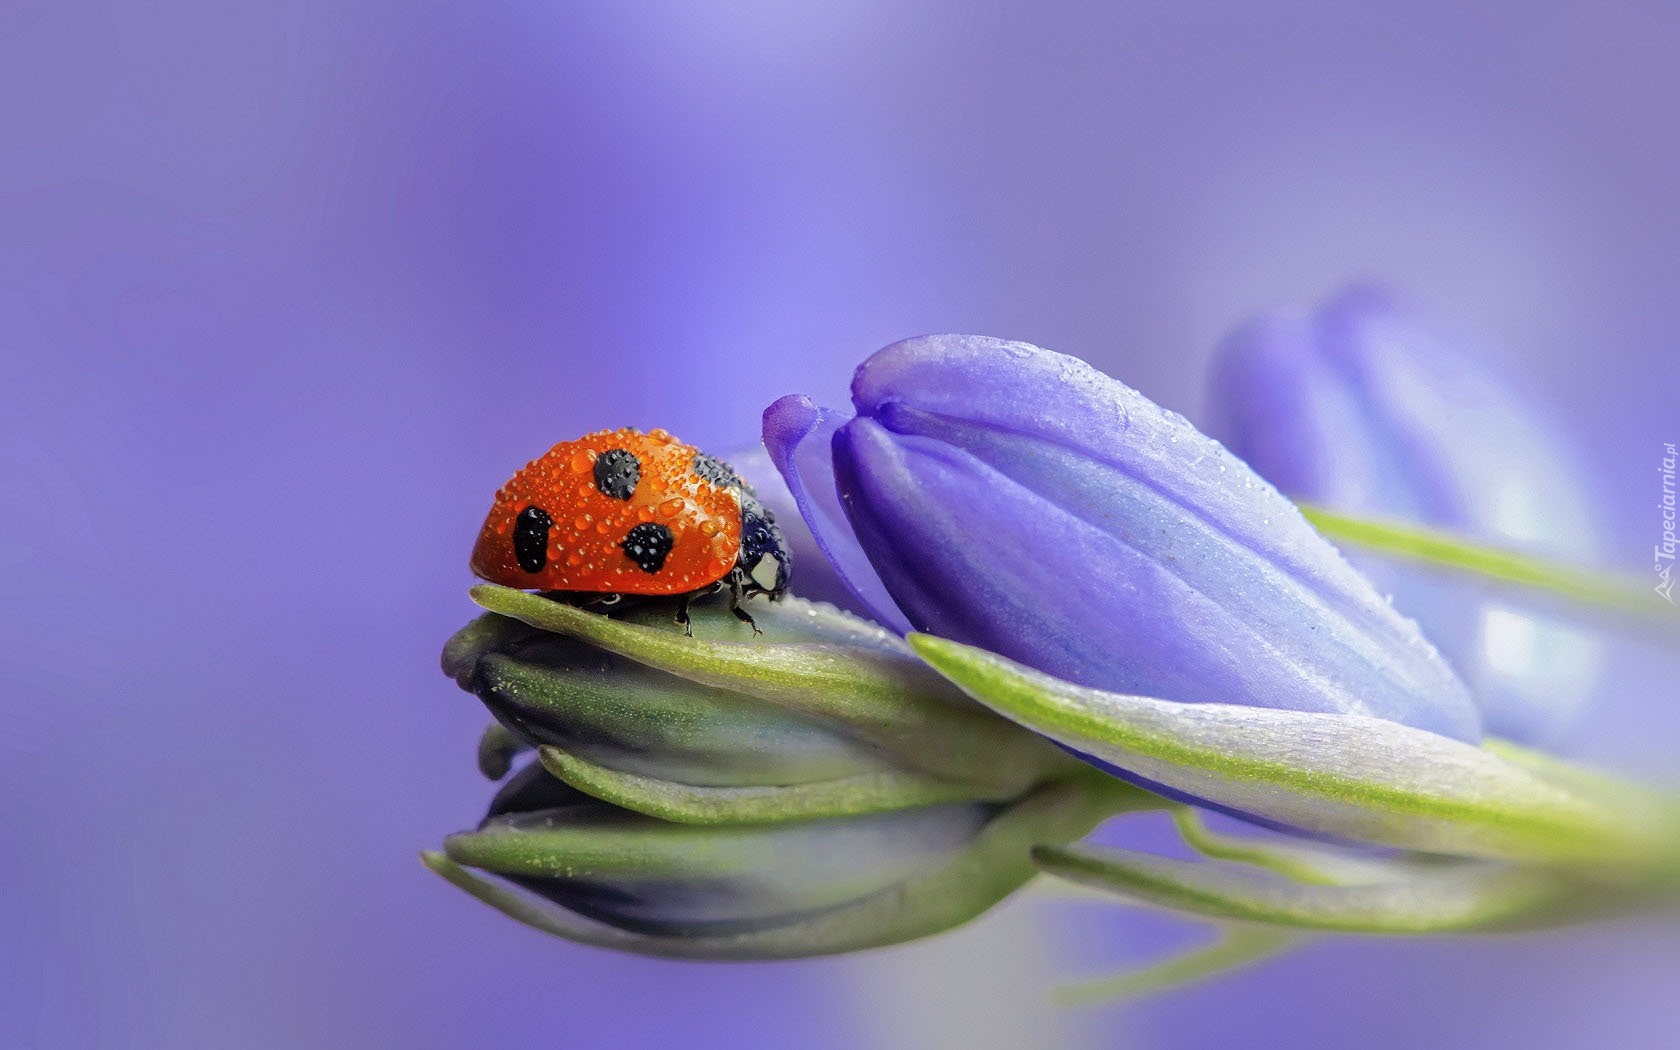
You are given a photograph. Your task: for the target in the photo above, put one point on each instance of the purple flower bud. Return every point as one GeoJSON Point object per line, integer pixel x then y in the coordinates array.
{"type": "Point", "coordinates": [1362, 409]}
{"type": "Point", "coordinates": [1019, 500]}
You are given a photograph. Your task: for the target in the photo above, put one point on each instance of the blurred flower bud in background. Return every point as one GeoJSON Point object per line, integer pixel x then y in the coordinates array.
{"type": "Point", "coordinates": [1362, 408]}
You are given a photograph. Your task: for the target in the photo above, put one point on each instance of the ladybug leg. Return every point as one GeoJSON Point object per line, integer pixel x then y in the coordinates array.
{"type": "Point", "coordinates": [682, 614]}
{"type": "Point", "coordinates": [735, 604]}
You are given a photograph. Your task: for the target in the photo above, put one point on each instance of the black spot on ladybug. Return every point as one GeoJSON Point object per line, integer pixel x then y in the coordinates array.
{"type": "Point", "coordinates": [715, 471]}
{"type": "Point", "coordinates": [647, 545]}
{"type": "Point", "coordinates": [616, 473]}
{"type": "Point", "coordinates": [530, 538]}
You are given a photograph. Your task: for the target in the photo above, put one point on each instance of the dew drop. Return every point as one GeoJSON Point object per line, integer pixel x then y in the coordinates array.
{"type": "Point", "coordinates": [581, 522]}
{"type": "Point", "coordinates": [583, 461]}
{"type": "Point", "coordinates": [672, 507]}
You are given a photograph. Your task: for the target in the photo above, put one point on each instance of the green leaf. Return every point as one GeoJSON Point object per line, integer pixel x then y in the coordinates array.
{"type": "Point", "coordinates": [1460, 897]}
{"type": "Point", "coordinates": [1348, 776]}
{"type": "Point", "coordinates": [1446, 550]}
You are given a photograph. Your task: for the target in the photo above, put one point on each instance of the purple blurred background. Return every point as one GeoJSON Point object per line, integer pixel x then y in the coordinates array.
{"type": "Point", "coordinates": [287, 289]}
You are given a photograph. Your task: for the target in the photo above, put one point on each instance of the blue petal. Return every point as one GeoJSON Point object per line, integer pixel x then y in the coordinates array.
{"type": "Point", "coordinates": [1019, 500]}
{"type": "Point", "coordinates": [799, 436]}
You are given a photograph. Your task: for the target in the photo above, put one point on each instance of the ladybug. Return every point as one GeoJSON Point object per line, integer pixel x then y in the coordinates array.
{"type": "Point", "coordinates": [621, 512]}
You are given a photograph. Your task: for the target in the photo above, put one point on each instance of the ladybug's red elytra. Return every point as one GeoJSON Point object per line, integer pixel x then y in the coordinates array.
{"type": "Point", "coordinates": [622, 512]}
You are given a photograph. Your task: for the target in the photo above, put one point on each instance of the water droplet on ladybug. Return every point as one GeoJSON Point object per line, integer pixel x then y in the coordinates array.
{"type": "Point", "coordinates": [583, 461]}
{"type": "Point", "coordinates": [672, 507]}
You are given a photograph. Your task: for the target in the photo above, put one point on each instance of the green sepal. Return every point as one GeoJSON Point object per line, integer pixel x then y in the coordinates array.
{"type": "Point", "coordinates": [1348, 776]}
{"type": "Point", "coordinates": [498, 746]}
{"type": "Point", "coordinates": [876, 792]}
{"type": "Point", "coordinates": [644, 721]}
{"type": "Point", "coordinates": [481, 635]}
{"type": "Point", "coordinates": [1444, 898]}
{"type": "Point", "coordinates": [598, 841]}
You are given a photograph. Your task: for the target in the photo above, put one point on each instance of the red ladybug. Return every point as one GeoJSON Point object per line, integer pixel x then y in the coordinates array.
{"type": "Point", "coordinates": [621, 512]}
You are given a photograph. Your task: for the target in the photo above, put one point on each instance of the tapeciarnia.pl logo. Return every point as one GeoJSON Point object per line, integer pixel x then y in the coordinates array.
{"type": "Point", "coordinates": [1664, 551]}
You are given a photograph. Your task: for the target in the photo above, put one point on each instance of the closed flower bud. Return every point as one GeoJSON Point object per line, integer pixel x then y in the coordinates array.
{"type": "Point", "coordinates": [1019, 500]}
{"type": "Point", "coordinates": [636, 872]}
{"type": "Point", "coordinates": [1360, 408]}
{"type": "Point", "coordinates": [557, 859]}
{"type": "Point", "coordinates": [821, 714]}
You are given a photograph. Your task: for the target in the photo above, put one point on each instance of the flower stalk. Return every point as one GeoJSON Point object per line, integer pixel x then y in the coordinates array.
{"type": "Point", "coordinates": [1083, 608]}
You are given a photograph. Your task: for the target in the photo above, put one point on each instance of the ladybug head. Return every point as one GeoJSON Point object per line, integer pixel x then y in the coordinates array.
{"type": "Point", "coordinates": [764, 561]}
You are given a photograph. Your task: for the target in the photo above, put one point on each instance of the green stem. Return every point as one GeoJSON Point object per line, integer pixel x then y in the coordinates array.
{"type": "Point", "coordinates": [1239, 946]}
{"type": "Point", "coordinates": [1212, 844]}
{"type": "Point", "coordinates": [1448, 550]}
